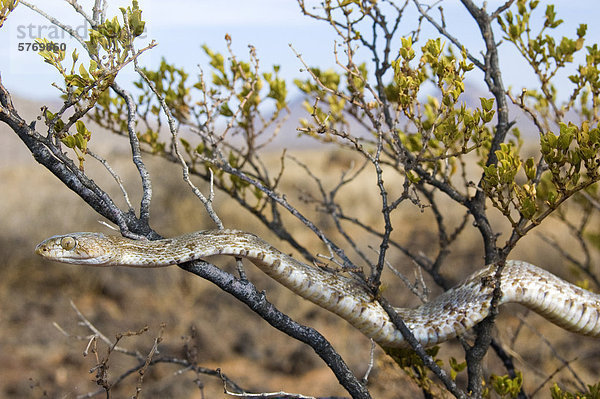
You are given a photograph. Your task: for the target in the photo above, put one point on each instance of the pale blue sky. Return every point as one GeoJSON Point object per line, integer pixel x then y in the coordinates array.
{"type": "Point", "coordinates": [181, 26]}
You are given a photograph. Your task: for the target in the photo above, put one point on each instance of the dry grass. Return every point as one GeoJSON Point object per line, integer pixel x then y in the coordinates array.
{"type": "Point", "coordinates": [37, 360]}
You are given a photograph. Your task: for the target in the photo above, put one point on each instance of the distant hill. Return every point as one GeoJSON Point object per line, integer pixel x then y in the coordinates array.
{"type": "Point", "coordinates": [13, 152]}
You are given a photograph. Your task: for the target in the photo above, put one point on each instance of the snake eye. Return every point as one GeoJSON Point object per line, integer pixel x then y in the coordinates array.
{"type": "Point", "coordinates": [68, 243]}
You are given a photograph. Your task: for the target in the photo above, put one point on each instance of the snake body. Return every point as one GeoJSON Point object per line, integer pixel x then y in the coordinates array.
{"type": "Point", "coordinates": [445, 317]}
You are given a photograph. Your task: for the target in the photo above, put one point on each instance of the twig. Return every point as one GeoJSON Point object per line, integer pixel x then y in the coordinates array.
{"type": "Point", "coordinates": [442, 29]}
{"type": "Point", "coordinates": [207, 202]}
{"type": "Point", "coordinates": [423, 294]}
{"type": "Point", "coordinates": [136, 155]}
{"type": "Point", "coordinates": [279, 394]}
{"type": "Point", "coordinates": [115, 176]}
{"type": "Point", "coordinates": [566, 363]}
{"type": "Point", "coordinates": [428, 361]}
{"type": "Point", "coordinates": [99, 11]}
{"type": "Point", "coordinates": [365, 378]}
{"type": "Point", "coordinates": [149, 357]}
{"type": "Point", "coordinates": [99, 334]}
{"type": "Point", "coordinates": [548, 379]}
{"type": "Point", "coordinates": [80, 10]}
{"type": "Point", "coordinates": [56, 22]}
{"type": "Point", "coordinates": [593, 201]}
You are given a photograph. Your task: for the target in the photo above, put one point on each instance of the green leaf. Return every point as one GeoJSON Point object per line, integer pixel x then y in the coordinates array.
{"type": "Point", "coordinates": [80, 127]}
{"type": "Point", "coordinates": [530, 168]}
{"type": "Point", "coordinates": [84, 73]}
{"type": "Point", "coordinates": [486, 104]}
{"type": "Point", "coordinates": [80, 142]}
{"type": "Point", "coordinates": [225, 110]}
{"type": "Point", "coordinates": [69, 141]}
{"type": "Point", "coordinates": [504, 385]}
{"type": "Point", "coordinates": [528, 208]}
{"type": "Point", "coordinates": [413, 177]}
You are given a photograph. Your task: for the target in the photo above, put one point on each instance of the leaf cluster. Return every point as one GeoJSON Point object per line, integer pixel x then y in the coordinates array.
{"type": "Point", "coordinates": [109, 49]}
{"type": "Point", "coordinates": [570, 163]}
{"type": "Point", "coordinates": [548, 55]}
{"type": "Point", "coordinates": [540, 49]}
{"type": "Point", "coordinates": [593, 392]}
{"type": "Point", "coordinates": [506, 386]}
{"type": "Point", "coordinates": [440, 130]}
{"type": "Point", "coordinates": [412, 365]}
{"type": "Point", "coordinates": [329, 109]}
{"type": "Point", "coordinates": [236, 96]}
{"type": "Point", "coordinates": [6, 6]}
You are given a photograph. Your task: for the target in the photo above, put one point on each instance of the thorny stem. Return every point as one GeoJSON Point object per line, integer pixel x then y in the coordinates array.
{"type": "Point", "coordinates": [375, 277]}
{"type": "Point", "coordinates": [493, 79]}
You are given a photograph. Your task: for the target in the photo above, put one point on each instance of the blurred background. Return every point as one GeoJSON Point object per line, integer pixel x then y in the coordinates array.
{"type": "Point", "coordinates": [37, 358]}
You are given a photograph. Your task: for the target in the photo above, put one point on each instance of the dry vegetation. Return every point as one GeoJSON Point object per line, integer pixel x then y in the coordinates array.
{"type": "Point", "coordinates": [205, 324]}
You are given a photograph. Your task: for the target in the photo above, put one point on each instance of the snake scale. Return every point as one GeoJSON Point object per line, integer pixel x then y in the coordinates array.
{"type": "Point", "coordinates": [445, 317]}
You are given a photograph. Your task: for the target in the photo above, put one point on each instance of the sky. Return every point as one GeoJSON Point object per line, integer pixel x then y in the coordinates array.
{"type": "Point", "coordinates": [180, 27]}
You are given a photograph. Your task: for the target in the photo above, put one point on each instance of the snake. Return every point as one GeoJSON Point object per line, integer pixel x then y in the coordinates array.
{"type": "Point", "coordinates": [449, 315]}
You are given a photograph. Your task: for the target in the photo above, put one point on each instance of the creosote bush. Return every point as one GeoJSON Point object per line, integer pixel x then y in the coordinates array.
{"type": "Point", "coordinates": [402, 113]}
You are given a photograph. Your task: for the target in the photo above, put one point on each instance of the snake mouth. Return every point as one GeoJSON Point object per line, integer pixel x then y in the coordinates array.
{"type": "Point", "coordinates": [43, 250]}
{"type": "Point", "coordinates": [76, 259]}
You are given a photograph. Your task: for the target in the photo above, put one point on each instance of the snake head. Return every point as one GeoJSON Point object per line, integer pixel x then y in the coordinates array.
{"type": "Point", "coordinates": [76, 248]}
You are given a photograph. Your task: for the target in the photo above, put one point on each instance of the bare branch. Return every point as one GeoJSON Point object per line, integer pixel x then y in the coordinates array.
{"type": "Point", "coordinates": [115, 176]}
{"type": "Point", "coordinates": [136, 152]}
{"type": "Point", "coordinates": [207, 202]}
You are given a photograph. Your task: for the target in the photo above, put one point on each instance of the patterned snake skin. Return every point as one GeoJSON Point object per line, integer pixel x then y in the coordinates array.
{"type": "Point", "coordinates": [445, 317]}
